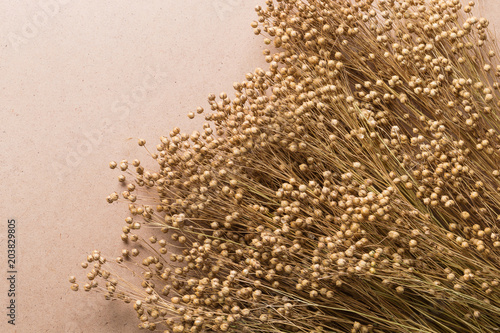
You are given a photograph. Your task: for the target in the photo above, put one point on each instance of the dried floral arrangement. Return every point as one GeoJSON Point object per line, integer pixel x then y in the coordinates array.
{"type": "Point", "coordinates": [353, 186]}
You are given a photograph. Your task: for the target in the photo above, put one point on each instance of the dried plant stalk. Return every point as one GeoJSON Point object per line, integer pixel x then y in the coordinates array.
{"type": "Point", "coordinates": [351, 187]}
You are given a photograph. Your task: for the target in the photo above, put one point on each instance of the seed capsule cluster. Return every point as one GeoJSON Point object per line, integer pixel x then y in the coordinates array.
{"type": "Point", "coordinates": [352, 186]}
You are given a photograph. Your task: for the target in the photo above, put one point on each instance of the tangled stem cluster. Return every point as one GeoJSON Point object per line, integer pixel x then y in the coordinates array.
{"type": "Point", "coordinates": [353, 186]}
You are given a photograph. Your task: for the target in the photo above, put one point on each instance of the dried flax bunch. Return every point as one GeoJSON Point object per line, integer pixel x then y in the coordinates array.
{"type": "Point", "coordinates": [353, 186]}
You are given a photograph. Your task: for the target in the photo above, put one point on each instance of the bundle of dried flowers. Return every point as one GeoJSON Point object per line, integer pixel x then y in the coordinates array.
{"type": "Point", "coordinates": [352, 186]}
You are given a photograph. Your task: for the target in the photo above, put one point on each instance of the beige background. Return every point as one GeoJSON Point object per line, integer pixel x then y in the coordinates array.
{"type": "Point", "coordinates": [77, 80]}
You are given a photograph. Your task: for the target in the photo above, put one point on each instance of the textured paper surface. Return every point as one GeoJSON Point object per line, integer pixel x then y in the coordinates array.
{"type": "Point", "coordinates": [77, 80]}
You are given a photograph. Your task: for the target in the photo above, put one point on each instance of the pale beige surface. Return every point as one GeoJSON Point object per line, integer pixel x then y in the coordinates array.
{"type": "Point", "coordinates": [56, 86]}
{"type": "Point", "coordinates": [78, 66]}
